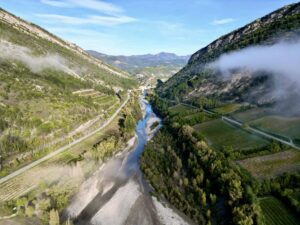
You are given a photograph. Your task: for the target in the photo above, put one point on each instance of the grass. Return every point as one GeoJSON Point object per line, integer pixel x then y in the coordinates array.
{"type": "Point", "coordinates": [219, 133]}
{"type": "Point", "coordinates": [177, 109]}
{"type": "Point", "coordinates": [296, 195]}
{"type": "Point", "coordinates": [289, 127]}
{"type": "Point", "coordinates": [275, 212]}
{"type": "Point", "coordinates": [228, 108]}
{"type": "Point", "coordinates": [251, 114]}
{"type": "Point", "coordinates": [267, 166]}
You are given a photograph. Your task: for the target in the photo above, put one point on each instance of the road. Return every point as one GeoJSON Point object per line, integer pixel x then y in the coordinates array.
{"type": "Point", "coordinates": [37, 162]}
{"type": "Point", "coordinates": [259, 132]}
{"type": "Point", "coordinates": [239, 124]}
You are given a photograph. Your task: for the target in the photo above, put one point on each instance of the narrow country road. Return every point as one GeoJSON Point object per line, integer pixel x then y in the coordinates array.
{"type": "Point", "coordinates": [239, 124]}
{"type": "Point", "coordinates": [259, 132]}
{"type": "Point", "coordinates": [37, 162]}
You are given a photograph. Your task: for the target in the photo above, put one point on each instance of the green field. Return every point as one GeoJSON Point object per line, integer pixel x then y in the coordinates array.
{"type": "Point", "coordinates": [272, 165]}
{"type": "Point", "coordinates": [289, 127]}
{"type": "Point", "coordinates": [275, 213]}
{"type": "Point", "coordinates": [296, 195]}
{"type": "Point", "coordinates": [219, 133]}
{"type": "Point", "coordinates": [228, 108]}
{"type": "Point", "coordinates": [177, 109]}
{"type": "Point", "coordinates": [251, 114]}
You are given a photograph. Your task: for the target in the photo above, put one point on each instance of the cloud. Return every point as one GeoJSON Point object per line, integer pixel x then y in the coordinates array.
{"type": "Point", "coordinates": [77, 31]}
{"type": "Point", "coordinates": [280, 60]}
{"type": "Point", "coordinates": [100, 6]}
{"type": "Point", "coordinates": [90, 19]}
{"type": "Point", "coordinates": [223, 21]}
{"type": "Point", "coordinates": [55, 3]}
{"type": "Point", "coordinates": [34, 63]}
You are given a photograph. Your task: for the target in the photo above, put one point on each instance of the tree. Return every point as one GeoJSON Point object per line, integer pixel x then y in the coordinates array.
{"type": "Point", "coordinates": [21, 202]}
{"type": "Point", "coordinates": [274, 147]}
{"type": "Point", "coordinates": [29, 211]}
{"type": "Point", "coordinates": [185, 182]}
{"type": "Point", "coordinates": [53, 217]}
{"type": "Point", "coordinates": [44, 205]}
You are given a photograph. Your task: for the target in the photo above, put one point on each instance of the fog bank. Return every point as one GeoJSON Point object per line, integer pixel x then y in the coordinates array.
{"type": "Point", "coordinates": [36, 64]}
{"type": "Point", "coordinates": [282, 59]}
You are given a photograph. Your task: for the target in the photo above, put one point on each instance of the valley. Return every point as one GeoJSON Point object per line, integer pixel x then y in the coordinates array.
{"type": "Point", "coordinates": [88, 138]}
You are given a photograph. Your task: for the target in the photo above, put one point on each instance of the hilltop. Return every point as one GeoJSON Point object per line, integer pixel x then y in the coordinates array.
{"type": "Point", "coordinates": [161, 65]}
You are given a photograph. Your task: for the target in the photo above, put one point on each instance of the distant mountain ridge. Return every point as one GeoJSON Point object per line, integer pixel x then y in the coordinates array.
{"type": "Point", "coordinates": [162, 64]}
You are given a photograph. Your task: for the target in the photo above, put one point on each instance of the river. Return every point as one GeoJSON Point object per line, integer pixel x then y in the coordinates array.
{"type": "Point", "coordinates": [117, 193]}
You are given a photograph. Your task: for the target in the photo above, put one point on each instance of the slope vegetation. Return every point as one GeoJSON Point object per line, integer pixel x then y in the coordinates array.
{"type": "Point", "coordinates": [51, 91]}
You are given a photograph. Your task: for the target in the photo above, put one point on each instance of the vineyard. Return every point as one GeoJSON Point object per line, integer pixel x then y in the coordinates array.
{"type": "Point", "coordinates": [275, 213]}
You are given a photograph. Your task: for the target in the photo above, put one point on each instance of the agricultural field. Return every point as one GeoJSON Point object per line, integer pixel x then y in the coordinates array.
{"type": "Point", "coordinates": [268, 166]}
{"type": "Point", "coordinates": [177, 109]}
{"type": "Point", "coordinates": [288, 127]}
{"type": "Point", "coordinates": [58, 168]}
{"type": "Point", "coordinates": [219, 134]}
{"type": "Point", "coordinates": [296, 195]}
{"type": "Point", "coordinates": [251, 114]}
{"type": "Point", "coordinates": [275, 212]}
{"type": "Point", "coordinates": [227, 108]}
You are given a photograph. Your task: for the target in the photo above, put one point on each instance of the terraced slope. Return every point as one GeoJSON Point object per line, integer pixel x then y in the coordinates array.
{"type": "Point", "coordinates": [50, 90]}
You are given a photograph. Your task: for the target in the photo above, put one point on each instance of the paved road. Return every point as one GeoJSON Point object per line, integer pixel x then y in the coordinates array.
{"type": "Point", "coordinates": [253, 130]}
{"type": "Point", "coordinates": [259, 132]}
{"type": "Point", "coordinates": [35, 163]}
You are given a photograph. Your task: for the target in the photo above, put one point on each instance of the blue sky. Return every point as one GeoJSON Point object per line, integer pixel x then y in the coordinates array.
{"type": "Point", "coordinates": [141, 26]}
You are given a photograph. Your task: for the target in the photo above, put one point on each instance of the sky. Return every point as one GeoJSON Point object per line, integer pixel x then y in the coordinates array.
{"type": "Point", "coordinates": [131, 27]}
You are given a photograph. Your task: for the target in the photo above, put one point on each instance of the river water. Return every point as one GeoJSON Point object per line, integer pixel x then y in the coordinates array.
{"type": "Point", "coordinates": [117, 193]}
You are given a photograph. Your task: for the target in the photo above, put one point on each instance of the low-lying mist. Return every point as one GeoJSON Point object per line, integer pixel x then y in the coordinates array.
{"type": "Point", "coordinates": [36, 64]}
{"type": "Point", "coordinates": [281, 61]}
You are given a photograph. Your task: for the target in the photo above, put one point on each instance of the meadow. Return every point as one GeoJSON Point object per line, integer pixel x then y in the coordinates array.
{"type": "Point", "coordinates": [251, 114]}
{"type": "Point", "coordinates": [227, 108]}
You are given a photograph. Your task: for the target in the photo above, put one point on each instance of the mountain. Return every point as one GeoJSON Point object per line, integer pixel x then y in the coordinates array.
{"type": "Point", "coordinates": [161, 65]}
{"type": "Point", "coordinates": [49, 87]}
{"type": "Point", "coordinates": [198, 79]}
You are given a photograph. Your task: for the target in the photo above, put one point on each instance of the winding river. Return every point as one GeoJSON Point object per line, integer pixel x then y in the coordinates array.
{"type": "Point", "coordinates": [117, 193]}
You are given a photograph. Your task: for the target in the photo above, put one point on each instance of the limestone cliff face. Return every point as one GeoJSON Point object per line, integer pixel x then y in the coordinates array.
{"type": "Point", "coordinates": [193, 80]}
{"type": "Point", "coordinates": [250, 29]}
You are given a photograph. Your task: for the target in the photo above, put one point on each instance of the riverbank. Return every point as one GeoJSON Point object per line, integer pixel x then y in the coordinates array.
{"type": "Point", "coordinates": [118, 194]}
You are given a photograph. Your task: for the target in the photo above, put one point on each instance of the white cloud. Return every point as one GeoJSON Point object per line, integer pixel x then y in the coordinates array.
{"type": "Point", "coordinates": [76, 31]}
{"type": "Point", "coordinates": [100, 6]}
{"type": "Point", "coordinates": [223, 21]}
{"type": "Point", "coordinates": [36, 64]}
{"type": "Point", "coordinates": [90, 19]}
{"type": "Point", "coordinates": [55, 3]}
